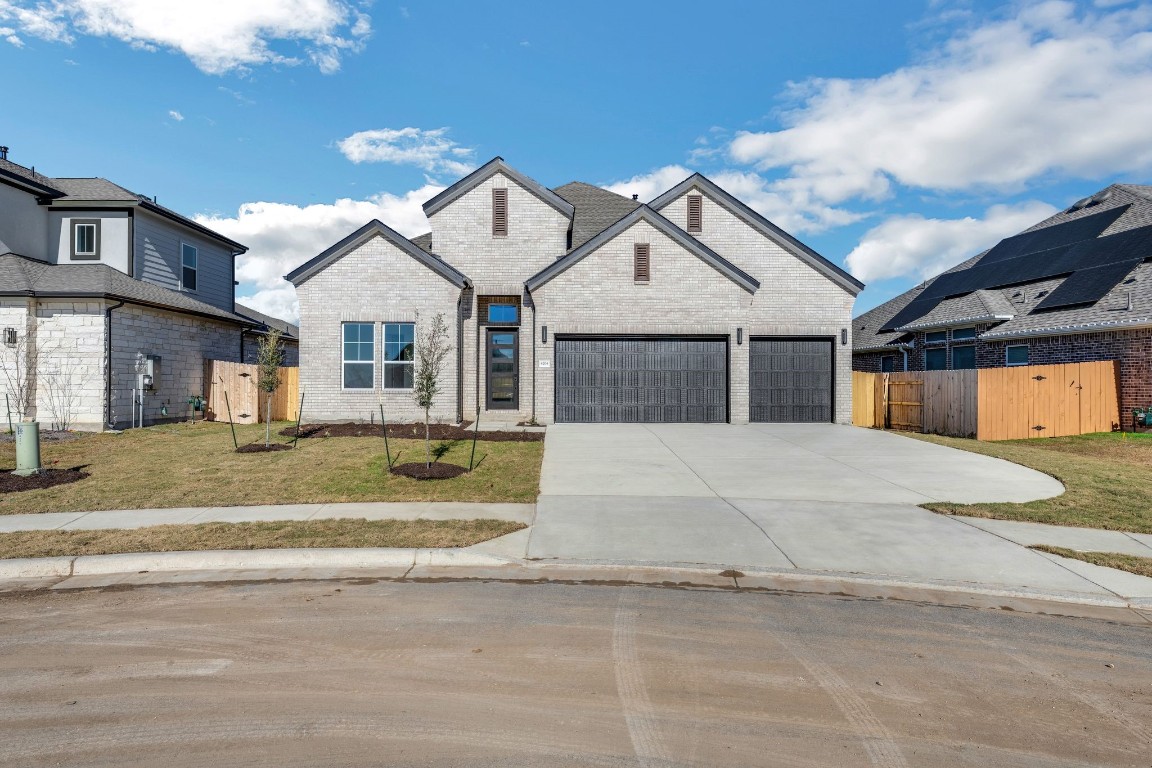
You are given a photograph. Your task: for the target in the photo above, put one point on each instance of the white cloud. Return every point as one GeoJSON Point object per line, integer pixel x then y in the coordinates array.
{"type": "Point", "coordinates": [278, 302]}
{"type": "Point", "coordinates": [913, 246]}
{"type": "Point", "coordinates": [281, 237]}
{"type": "Point", "coordinates": [175, 115]}
{"type": "Point", "coordinates": [430, 150]}
{"type": "Point", "coordinates": [652, 184]}
{"type": "Point", "coordinates": [217, 35]}
{"type": "Point", "coordinates": [1056, 90]}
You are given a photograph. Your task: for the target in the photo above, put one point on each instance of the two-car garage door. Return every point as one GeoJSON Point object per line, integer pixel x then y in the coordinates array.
{"type": "Point", "coordinates": [618, 379]}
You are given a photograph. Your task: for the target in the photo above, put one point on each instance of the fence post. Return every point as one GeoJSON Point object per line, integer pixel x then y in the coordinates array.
{"type": "Point", "coordinates": [884, 400]}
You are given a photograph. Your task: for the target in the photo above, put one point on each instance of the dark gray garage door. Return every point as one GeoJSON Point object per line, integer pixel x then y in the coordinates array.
{"type": "Point", "coordinates": [641, 380]}
{"type": "Point", "coordinates": [791, 380]}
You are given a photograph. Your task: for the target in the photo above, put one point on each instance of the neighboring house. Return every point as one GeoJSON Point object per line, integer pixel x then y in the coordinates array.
{"type": "Point", "coordinates": [97, 284]}
{"type": "Point", "coordinates": [576, 304]}
{"type": "Point", "coordinates": [289, 336]}
{"type": "Point", "coordinates": [1075, 287]}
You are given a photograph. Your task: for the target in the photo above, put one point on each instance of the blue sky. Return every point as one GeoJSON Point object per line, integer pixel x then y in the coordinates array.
{"type": "Point", "coordinates": [896, 138]}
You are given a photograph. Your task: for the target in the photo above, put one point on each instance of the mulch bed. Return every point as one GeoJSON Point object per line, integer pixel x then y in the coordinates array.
{"type": "Point", "coordinates": [422, 471]}
{"type": "Point", "coordinates": [58, 436]}
{"type": "Point", "coordinates": [410, 432]}
{"type": "Point", "coordinates": [10, 483]}
{"type": "Point", "coordinates": [261, 448]}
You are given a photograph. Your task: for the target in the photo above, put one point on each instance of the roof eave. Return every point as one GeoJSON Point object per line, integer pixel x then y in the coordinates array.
{"type": "Point", "coordinates": [786, 241]}
{"type": "Point", "coordinates": [715, 260]}
{"type": "Point", "coordinates": [493, 166]}
{"type": "Point", "coordinates": [376, 228]}
{"type": "Point", "coordinates": [955, 323]}
{"type": "Point", "coordinates": [1062, 330]}
{"type": "Point", "coordinates": [237, 248]}
{"type": "Point", "coordinates": [127, 300]}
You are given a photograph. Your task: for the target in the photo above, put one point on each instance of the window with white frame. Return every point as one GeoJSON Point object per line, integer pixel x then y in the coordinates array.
{"type": "Point", "coordinates": [85, 238]}
{"type": "Point", "coordinates": [936, 359]}
{"type": "Point", "coordinates": [399, 345]}
{"type": "Point", "coordinates": [936, 337]}
{"type": "Point", "coordinates": [1017, 354]}
{"type": "Point", "coordinates": [189, 266]}
{"type": "Point", "coordinates": [359, 355]}
{"type": "Point", "coordinates": [963, 334]}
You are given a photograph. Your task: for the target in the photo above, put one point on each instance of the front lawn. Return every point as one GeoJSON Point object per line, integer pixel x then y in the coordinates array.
{"type": "Point", "coordinates": [1108, 476]}
{"type": "Point", "coordinates": [182, 465]}
{"type": "Point", "coordinates": [281, 534]}
{"type": "Point", "coordinates": [1141, 566]}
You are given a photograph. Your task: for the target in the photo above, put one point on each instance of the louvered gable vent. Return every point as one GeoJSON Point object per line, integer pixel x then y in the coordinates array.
{"type": "Point", "coordinates": [641, 262]}
{"type": "Point", "coordinates": [499, 212]}
{"type": "Point", "coordinates": [695, 213]}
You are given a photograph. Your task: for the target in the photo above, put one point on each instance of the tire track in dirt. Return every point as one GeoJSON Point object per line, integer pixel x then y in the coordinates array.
{"type": "Point", "coordinates": [639, 714]}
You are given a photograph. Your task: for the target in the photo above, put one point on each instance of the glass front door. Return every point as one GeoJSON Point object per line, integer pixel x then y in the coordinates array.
{"type": "Point", "coordinates": [503, 379]}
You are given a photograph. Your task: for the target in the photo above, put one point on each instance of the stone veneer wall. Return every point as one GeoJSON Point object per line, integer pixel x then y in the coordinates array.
{"type": "Point", "coordinates": [376, 283]}
{"type": "Point", "coordinates": [183, 343]}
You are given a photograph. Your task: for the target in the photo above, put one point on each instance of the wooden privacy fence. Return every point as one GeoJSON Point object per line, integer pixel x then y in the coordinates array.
{"type": "Point", "coordinates": [247, 401]}
{"type": "Point", "coordinates": [991, 403]}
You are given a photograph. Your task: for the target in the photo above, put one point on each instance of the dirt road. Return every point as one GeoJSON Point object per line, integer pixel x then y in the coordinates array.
{"type": "Point", "coordinates": [473, 674]}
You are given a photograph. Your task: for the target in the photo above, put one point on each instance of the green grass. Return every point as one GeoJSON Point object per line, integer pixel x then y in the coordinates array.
{"type": "Point", "coordinates": [1141, 566]}
{"type": "Point", "coordinates": [184, 465]}
{"type": "Point", "coordinates": [264, 535]}
{"type": "Point", "coordinates": [1108, 477]}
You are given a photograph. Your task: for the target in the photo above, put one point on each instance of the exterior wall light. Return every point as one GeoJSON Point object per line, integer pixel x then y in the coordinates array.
{"type": "Point", "coordinates": [739, 335]}
{"type": "Point", "coordinates": [10, 336]}
{"type": "Point", "coordinates": [844, 337]}
{"type": "Point", "coordinates": [543, 334]}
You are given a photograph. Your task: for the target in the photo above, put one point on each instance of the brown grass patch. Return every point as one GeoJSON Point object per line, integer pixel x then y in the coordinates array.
{"type": "Point", "coordinates": [1141, 566]}
{"type": "Point", "coordinates": [283, 534]}
{"type": "Point", "coordinates": [1106, 475]}
{"type": "Point", "coordinates": [182, 465]}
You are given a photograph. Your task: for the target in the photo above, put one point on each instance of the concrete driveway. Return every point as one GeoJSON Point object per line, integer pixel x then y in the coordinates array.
{"type": "Point", "coordinates": [819, 497]}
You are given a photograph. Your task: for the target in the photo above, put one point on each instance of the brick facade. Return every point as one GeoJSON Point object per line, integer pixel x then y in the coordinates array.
{"type": "Point", "coordinates": [685, 295]}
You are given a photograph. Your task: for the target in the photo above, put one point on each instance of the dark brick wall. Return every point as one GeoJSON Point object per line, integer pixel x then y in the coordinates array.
{"type": "Point", "coordinates": [1132, 348]}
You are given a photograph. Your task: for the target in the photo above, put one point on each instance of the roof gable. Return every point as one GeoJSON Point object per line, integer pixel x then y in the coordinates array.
{"type": "Point", "coordinates": [486, 171]}
{"type": "Point", "coordinates": [726, 200]}
{"type": "Point", "coordinates": [689, 243]}
{"type": "Point", "coordinates": [376, 228]}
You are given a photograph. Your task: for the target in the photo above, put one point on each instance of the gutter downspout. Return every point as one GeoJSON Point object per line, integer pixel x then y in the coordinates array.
{"type": "Point", "coordinates": [905, 351]}
{"type": "Point", "coordinates": [533, 303]}
{"type": "Point", "coordinates": [460, 356]}
{"type": "Point", "coordinates": [108, 364]}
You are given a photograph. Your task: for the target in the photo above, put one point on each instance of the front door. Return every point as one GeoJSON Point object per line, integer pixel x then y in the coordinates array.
{"type": "Point", "coordinates": [503, 378]}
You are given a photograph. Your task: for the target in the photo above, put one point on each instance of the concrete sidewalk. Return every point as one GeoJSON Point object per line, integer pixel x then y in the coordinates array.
{"type": "Point", "coordinates": [141, 518]}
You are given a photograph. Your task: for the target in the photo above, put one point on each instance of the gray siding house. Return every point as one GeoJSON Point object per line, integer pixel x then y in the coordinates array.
{"type": "Point", "coordinates": [98, 283]}
{"type": "Point", "coordinates": [576, 304]}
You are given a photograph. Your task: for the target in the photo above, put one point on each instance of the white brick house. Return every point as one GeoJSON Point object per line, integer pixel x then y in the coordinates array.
{"type": "Point", "coordinates": [577, 304]}
{"type": "Point", "coordinates": [93, 279]}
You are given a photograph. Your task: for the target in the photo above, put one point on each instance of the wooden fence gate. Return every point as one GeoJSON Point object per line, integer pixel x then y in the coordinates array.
{"type": "Point", "coordinates": [991, 403]}
{"type": "Point", "coordinates": [238, 382]}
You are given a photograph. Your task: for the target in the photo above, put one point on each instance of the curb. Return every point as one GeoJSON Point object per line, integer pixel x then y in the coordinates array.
{"type": "Point", "coordinates": [460, 564]}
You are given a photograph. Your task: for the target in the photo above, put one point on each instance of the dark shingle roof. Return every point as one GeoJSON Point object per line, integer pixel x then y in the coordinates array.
{"type": "Point", "coordinates": [596, 209]}
{"type": "Point", "coordinates": [22, 276]}
{"type": "Point", "coordinates": [424, 242]}
{"type": "Point", "coordinates": [286, 328]}
{"type": "Point", "coordinates": [81, 190]}
{"type": "Point", "coordinates": [1025, 299]}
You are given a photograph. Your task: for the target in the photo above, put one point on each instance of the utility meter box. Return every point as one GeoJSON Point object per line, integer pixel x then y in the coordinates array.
{"type": "Point", "coordinates": [150, 375]}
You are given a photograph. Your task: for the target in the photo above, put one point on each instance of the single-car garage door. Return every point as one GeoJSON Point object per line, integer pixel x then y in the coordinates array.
{"type": "Point", "coordinates": [603, 380]}
{"type": "Point", "coordinates": [791, 380]}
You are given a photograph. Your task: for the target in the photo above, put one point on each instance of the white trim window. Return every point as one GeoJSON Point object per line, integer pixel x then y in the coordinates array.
{"type": "Point", "coordinates": [1016, 354]}
{"type": "Point", "coordinates": [359, 358]}
{"type": "Point", "coordinates": [399, 346]}
{"type": "Point", "coordinates": [189, 266]}
{"type": "Point", "coordinates": [85, 239]}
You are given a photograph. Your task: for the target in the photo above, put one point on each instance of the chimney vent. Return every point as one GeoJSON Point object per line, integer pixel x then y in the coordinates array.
{"type": "Point", "coordinates": [634, 197]}
{"type": "Point", "coordinates": [3, 153]}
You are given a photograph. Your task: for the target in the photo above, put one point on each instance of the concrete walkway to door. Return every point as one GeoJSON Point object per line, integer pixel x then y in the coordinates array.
{"type": "Point", "coordinates": [813, 497]}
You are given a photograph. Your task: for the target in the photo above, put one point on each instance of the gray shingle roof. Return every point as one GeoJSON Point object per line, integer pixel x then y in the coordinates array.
{"type": "Point", "coordinates": [423, 242]}
{"type": "Point", "coordinates": [977, 307]}
{"type": "Point", "coordinates": [22, 276]}
{"type": "Point", "coordinates": [596, 209]}
{"type": "Point", "coordinates": [81, 190]}
{"type": "Point", "coordinates": [289, 330]}
{"type": "Point", "coordinates": [1023, 300]}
